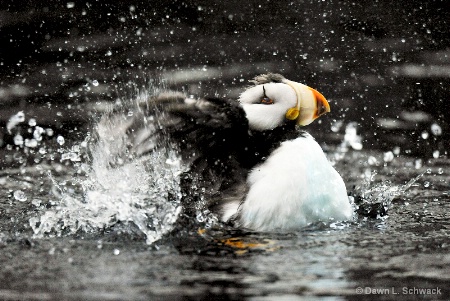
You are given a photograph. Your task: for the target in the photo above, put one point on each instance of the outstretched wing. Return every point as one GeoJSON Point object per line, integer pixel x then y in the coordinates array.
{"type": "Point", "coordinates": [208, 133]}
{"type": "Point", "coordinates": [210, 127]}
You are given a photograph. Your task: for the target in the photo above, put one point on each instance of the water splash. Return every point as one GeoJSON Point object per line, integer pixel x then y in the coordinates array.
{"type": "Point", "coordinates": [20, 196]}
{"type": "Point", "coordinates": [374, 200]}
{"type": "Point", "coordinates": [114, 186]}
{"type": "Point", "coordinates": [351, 138]}
{"type": "Point", "coordinates": [144, 192]}
{"type": "Point", "coordinates": [14, 120]}
{"type": "Point", "coordinates": [369, 199]}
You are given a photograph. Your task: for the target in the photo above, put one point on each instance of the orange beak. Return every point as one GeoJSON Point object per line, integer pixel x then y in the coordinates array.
{"type": "Point", "coordinates": [322, 105]}
{"type": "Point", "coordinates": [311, 104]}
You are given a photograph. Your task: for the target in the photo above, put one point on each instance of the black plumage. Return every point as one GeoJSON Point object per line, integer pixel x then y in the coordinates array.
{"type": "Point", "coordinates": [213, 135]}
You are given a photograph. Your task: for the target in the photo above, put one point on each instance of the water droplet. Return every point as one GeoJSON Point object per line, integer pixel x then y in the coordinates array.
{"type": "Point", "coordinates": [394, 57]}
{"type": "Point", "coordinates": [436, 129]}
{"type": "Point", "coordinates": [36, 202]}
{"type": "Point", "coordinates": [418, 164]}
{"type": "Point", "coordinates": [20, 116]}
{"type": "Point", "coordinates": [37, 133]}
{"type": "Point", "coordinates": [372, 160]}
{"type": "Point", "coordinates": [31, 143]}
{"type": "Point", "coordinates": [388, 156]}
{"type": "Point", "coordinates": [70, 4]}
{"type": "Point", "coordinates": [351, 137]}
{"type": "Point", "coordinates": [116, 251]}
{"type": "Point", "coordinates": [74, 157]}
{"type": "Point", "coordinates": [15, 120]}
{"type": "Point", "coordinates": [425, 135]}
{"type": "Point", "coordinates": [60, 140]}
{"type": "Point", "coordinates": [20, 196]}
{"type": "Point", "coordinates": [436, 154]}
{"type": "Point", "coordinates": [130, 113]}
{"type": "Point", "coordinates": [95, 83]}
{"type": "Point", "coordinates": [426, 184]}
{"type": "Point", "coordinates": [32, 122]}
{"type": "Point", "coordinates": [200, 217]}
{"type": "Point", "coordinates": [18, 140]}
{"type": "Point", "coordinates": [336, 126]}
{"type": "Point", "coordinates": [396, 150]}
{"type": "Point", "coordinates": [440, 171]}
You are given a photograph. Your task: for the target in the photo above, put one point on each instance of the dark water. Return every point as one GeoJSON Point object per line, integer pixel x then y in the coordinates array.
{"type": "Point", "coordinates": [385, 69]}
{"type": "Point", "coordinates": [406, 249]}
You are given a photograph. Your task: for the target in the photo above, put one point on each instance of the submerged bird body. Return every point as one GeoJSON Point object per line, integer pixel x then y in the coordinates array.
{"type": "Point", "coordinates": [248, 161]}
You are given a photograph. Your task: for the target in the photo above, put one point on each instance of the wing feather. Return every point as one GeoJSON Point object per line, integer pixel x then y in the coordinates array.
{"type": "Point", "coordinates": [209, 134]}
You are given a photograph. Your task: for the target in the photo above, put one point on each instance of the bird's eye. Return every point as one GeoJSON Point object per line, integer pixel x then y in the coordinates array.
{"type": "Point", "coordinates": [266, 100]}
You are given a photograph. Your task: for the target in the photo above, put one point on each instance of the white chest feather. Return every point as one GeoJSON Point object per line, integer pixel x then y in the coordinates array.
{"type": "Point", "coordinates": [294, 187]}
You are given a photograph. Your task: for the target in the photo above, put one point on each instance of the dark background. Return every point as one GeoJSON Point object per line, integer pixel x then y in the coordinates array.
{"type": "Point", "coordinates": [376, 61]}
{"type": "Point", "coordinates": [383, 64]}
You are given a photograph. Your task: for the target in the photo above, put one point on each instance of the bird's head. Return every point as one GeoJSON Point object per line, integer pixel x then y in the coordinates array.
{"type": "Point", "coordinates": [274, 100]}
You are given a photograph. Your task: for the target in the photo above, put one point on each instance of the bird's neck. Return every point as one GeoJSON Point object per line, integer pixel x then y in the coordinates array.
{"type": "Point", "coordinates": [261, 143]}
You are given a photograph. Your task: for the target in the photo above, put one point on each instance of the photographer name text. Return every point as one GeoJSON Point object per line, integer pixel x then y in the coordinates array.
{"type": "Point", "coordinates": [398, 291]}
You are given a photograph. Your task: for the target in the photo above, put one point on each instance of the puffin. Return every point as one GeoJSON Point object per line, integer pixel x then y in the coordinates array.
{"type": "Point", "coordinates": [249, 161]}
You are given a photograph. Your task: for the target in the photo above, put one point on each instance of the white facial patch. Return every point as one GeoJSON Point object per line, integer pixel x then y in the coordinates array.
{"type": "Point", "coordinates": [267, 116]}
